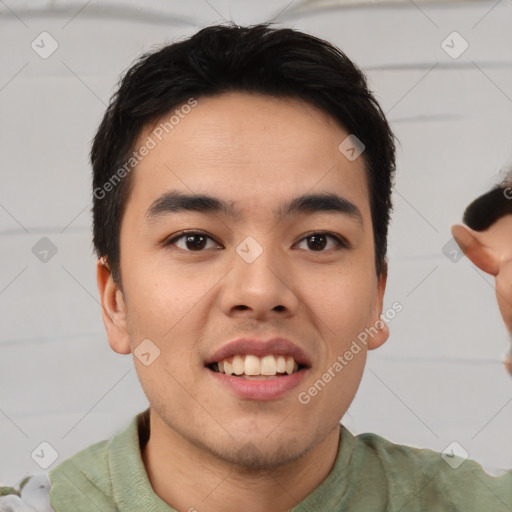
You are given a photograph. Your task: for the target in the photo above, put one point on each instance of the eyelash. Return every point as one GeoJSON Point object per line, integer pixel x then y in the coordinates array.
{"type": "Point", "coordinates": [341, 243]}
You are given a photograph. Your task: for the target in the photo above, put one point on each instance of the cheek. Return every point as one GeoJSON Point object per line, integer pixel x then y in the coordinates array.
{"type": "Point", "coordinates": [160, 295]}
{"type": "Point", "coordinates": [345, 300]}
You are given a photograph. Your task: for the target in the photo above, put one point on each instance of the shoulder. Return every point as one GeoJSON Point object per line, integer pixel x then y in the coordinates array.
{"type": "Point", "coordinates": [84, 475]}
{"type": "Point", "coordinates": [425, 474]}
{"type": "Point", "coordinates": [91, 460]}
{"type": "Point", "coordinates": [86, 479]}
{"type": "Point", "coordinates": [394, 454]}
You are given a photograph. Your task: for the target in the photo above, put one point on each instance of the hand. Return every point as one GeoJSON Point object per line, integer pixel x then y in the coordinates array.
{"type": "Point", "coordinates": [507, 361]}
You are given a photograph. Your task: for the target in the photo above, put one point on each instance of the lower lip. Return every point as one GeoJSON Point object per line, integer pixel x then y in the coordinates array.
{"type": "Point", "coordinates": [270, 389]}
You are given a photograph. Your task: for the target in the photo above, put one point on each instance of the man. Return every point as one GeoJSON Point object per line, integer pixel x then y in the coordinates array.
{"type": "Point", "coordinates": [486, 240]}
{"type": "Point", "coordinates": [242, 193]}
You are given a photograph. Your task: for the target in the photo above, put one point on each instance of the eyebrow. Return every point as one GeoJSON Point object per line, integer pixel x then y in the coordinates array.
{"type": "Point", "coordinates": [177, 202]}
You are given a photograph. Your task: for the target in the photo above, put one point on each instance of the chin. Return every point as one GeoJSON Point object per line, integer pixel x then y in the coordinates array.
{"type": "Point", "coordinates": [256, 457]}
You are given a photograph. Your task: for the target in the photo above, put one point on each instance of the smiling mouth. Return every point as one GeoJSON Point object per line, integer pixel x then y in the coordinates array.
{"type": "Point", "coordinates": [249, 366]}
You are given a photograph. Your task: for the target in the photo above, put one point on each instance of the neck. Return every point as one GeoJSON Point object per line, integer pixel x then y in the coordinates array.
{"type": "Point", "coordinates": [190, 480]}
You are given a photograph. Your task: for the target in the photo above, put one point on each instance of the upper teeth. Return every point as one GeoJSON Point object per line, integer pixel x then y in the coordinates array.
{"type": "Point", "coordinates": [254, 365]}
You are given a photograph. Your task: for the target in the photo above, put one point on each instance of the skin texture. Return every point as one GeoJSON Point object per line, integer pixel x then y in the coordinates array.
{"type": "Point", "coordinates": [209, 449]}
{"type": "Point", "coordinates": [491, 252]}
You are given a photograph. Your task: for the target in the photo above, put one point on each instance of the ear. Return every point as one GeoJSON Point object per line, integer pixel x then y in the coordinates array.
{"type": "Point", "coordinates": [113, 309]}
{"type": "Point", "coordinates": [382, 327]}
{"type": "Point", "coordinates": [474, 247]}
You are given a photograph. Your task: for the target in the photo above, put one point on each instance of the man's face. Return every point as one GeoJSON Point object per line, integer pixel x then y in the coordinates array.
{"type": "Point", "coordinates": [253, 275]}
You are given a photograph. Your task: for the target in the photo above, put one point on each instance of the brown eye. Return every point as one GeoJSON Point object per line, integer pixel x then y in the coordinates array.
{"type": "Point", "coordinates": [193, 241]}
{"type": "Point", "coordinates": [317, 242]}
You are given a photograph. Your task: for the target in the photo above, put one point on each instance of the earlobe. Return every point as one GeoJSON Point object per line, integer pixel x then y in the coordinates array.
{"type": "Point", "coordinates": [381, 337]}
{"type": "Point", "coordinates": [472, 244]}
{"type": "Point", "coordinates": [113, 309]}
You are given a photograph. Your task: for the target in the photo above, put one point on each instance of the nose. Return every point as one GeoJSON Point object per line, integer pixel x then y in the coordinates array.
{"type": "Point", "coordinates": [260, 288]}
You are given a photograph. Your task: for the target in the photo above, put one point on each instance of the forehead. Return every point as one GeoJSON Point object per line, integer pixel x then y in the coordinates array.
{"type": "Point", "coordinates": [250, 150]}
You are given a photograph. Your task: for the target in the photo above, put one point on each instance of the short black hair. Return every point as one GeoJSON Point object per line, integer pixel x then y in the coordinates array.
{"type": "Point", "coordinates": [490, 207]}
{"type": "Point", "coordinates": [279, 62]}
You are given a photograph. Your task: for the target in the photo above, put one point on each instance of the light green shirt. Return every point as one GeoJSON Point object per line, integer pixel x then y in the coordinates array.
{"type": "Point", "coordinates": [369, 474]}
